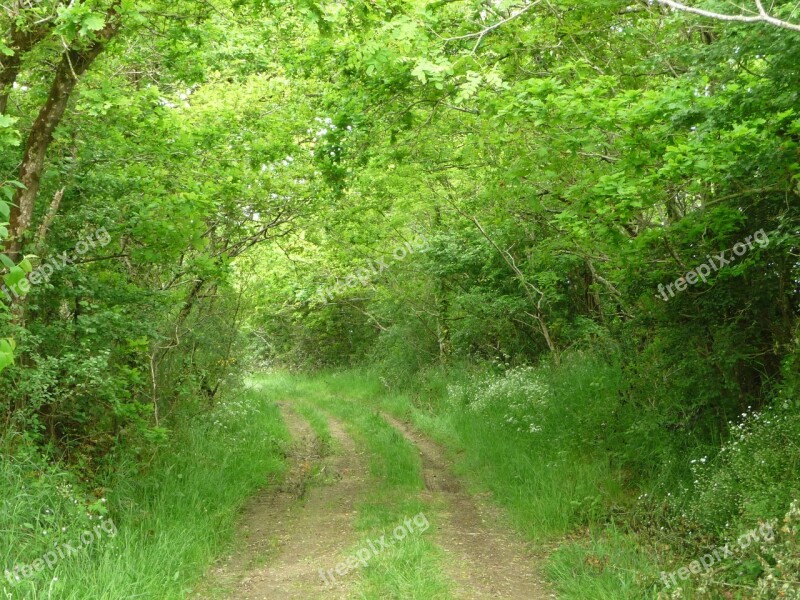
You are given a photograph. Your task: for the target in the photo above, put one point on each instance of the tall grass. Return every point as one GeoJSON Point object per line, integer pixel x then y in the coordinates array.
{"type": "Point", "coordinates": [550, 473]}
{"type": "Point", "coordinates": [174, 510]}
{"type": "Point", "coordinates": [573, 452]}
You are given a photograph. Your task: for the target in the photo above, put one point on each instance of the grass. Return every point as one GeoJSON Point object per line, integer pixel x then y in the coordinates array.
{"type": "Point", "coordinates": [319, 425]}
{"type": "Point", "coordinates": [547, 487]}
{"type": "Point", "coordinates": [607, 564]}
{"type": "Point", "coordinates": [173, 512]}
{"type": "Point", "coordinates": [568, 481]}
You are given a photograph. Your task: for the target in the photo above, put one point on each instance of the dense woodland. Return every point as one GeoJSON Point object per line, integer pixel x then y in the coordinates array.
{"type": "Point", "coordinates": [573, 222]}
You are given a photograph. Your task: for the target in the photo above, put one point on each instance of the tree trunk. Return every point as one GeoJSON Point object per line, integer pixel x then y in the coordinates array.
{"type": "Point", "coordinates": [74, 63]}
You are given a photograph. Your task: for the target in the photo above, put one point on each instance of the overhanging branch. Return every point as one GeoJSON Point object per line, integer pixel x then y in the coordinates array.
{"type": "Point", "coordinates": [760, 16]}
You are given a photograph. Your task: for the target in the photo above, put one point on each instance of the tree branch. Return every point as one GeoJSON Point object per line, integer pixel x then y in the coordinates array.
{"type": "Point", "coordinates": [480, 34]}
{"type": "Point", "coordinates": [761, 17]}
{"type": "Point", "coordinates": [22, 42]}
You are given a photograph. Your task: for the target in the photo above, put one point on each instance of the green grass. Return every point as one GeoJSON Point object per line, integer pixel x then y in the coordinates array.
{"type": "Point", "coordinates": [547, 486]}
{"type": "Point", "coordinates": [604, 565]}
{"type": "Point", "coordinates": [570, 483]}
{"type": "Point", "coordinates": [174, 510]}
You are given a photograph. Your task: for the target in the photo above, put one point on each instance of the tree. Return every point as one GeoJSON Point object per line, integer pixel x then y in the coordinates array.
{"type": "Point", "coordinates": [90, 33]}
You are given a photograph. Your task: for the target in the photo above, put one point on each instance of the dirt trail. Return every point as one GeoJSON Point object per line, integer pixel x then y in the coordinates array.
{"type": "Point", "coordinates": [484, 560]}
{"type": "Point", "coordinates": [296, 539]}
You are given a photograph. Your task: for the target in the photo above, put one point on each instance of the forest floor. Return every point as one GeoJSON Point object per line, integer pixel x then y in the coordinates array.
{"type": "Point", "coordinates": [371, 508]}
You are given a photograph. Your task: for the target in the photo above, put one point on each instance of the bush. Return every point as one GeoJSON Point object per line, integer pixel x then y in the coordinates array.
{"type": "Point", "coordinates": [515, 399]}
{"type": "Point", "coordinates": [755, 475]}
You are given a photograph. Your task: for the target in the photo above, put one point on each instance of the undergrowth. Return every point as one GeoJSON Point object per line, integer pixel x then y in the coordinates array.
{"type": "Point", "coordinates": [172, 509]}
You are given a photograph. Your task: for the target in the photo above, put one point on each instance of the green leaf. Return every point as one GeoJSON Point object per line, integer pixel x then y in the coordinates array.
{"type": "Point", "coordinates": [6, 353]}
{"type": "Point", "coordinates": [26, 265]}
{"type": "Point", "coordinates": [14, 276]}
{"type": "Point", "coordinates": [92, 22]}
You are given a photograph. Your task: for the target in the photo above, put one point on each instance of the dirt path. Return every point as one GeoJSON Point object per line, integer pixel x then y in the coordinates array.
{"type": "Point", "coordinates": [288, 535]}
{"type": "Point", "coordinates": [297, 538]}
{"type": "Point", "coordinates": [484, 560]}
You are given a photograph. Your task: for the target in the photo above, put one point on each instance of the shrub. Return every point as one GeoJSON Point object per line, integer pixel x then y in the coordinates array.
{"type": "Point", "coordinates": [515, 399]}
{"type": "Point", "coordinates": [754, 476]}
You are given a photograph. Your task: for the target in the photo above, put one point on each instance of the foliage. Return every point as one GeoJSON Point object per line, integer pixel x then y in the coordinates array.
{"type": "Point", "coordinates": [752, 477]}
{"type": "Point", "coordinates": [517, 395]}
{"type": "Point", "coordinates": [226, 454]}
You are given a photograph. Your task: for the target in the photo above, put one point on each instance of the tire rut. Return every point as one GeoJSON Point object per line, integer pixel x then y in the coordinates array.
{"type": "Point", "coordinates": [484, 560]}
{"type": "Point", "coordinates": [299, 538]}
